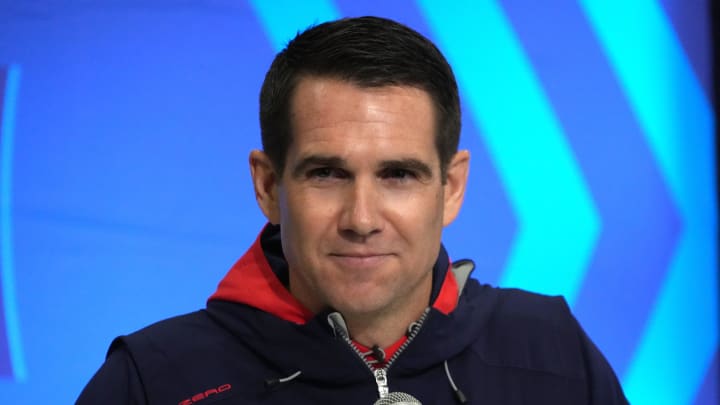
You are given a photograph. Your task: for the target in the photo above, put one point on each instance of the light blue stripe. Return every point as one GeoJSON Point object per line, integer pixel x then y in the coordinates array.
{"type": "Point", "coordinates": [6, 240]}
{"type": "Point", "coordinates": [681, 335]}
{"type": "Point", "coordinates": [558, 223]}
{"type": "Point", "coordinates": [283, 19]}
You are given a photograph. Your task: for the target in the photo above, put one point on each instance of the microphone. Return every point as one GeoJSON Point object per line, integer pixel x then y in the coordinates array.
{"type": "Point", "coordinates": [398, 398]}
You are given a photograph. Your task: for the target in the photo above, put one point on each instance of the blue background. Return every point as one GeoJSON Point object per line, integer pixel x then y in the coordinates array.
{"type": "Point", "coordinates": [125, 193]}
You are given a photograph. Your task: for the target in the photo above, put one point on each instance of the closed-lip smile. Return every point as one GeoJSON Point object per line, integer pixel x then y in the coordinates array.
{"type": "Point", "coordinates": [359, 254]}
{"type": "Point", "coordinates": [359, 259]}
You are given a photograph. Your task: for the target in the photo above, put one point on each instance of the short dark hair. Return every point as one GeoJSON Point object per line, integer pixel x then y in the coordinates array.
{"type": "Point", "coordinates": [367, 52]}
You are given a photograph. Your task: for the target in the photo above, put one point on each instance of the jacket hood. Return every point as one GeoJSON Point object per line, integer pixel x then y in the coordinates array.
{"type": "Point", "coordinates": [253, 303]}
{"type": "Point", "coordinates": [260, 278]}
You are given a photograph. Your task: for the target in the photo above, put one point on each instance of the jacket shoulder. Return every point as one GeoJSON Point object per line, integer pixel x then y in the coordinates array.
{"type": "Point", "coordinates": [523, 308]}
{"type": "Point", "coordinates": [182, 356]}
{"type": "Point", "coordinates": [516, 308]}
{"type": "Point", "coordinates": [529, 331]}
{"type": "Point", "coordinates": [178, 333]}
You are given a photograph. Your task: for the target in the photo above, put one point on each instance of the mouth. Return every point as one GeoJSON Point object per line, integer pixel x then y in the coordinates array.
{"type": "Point", "coordinates": [359, 254]}
{"type": "Point", "coordinates": [359, 259]}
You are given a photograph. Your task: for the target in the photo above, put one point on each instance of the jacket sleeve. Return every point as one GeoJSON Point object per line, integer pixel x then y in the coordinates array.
{"type": "Point", "coordinates": [117, 382]}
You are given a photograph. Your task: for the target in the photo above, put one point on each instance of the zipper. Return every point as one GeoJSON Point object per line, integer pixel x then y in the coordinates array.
{"type": "Point", "coordinates": [381, 381]}
{"type": "Point", "coordinates": [381, 374]}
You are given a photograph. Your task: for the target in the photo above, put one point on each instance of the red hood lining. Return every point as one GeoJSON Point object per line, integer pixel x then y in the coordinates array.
{"type": "Point", "coordinates": [252, 282]}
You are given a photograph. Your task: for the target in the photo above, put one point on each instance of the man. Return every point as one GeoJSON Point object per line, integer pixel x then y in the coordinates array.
{"type": "Point", "coordinates": [348, 296]}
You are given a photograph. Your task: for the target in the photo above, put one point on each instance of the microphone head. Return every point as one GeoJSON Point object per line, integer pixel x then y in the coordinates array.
{"type": "Point", "coordinates": [398, 398]}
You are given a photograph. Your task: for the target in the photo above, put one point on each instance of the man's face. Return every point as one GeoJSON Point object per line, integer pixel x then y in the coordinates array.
{"type": "Point", "coordinates": [361, 202]}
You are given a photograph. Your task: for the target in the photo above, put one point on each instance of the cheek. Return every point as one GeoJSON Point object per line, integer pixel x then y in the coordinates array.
{"type": "Point", "coordinates": [416, 210]}
{"type": "Point", "coordinates": [305, 210]}
{"type": "Point", "coordinates": [305, 221]}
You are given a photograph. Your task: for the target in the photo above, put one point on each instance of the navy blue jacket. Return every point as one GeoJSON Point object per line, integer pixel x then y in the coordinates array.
{"type": "Point", "coordinates": [254, 344]}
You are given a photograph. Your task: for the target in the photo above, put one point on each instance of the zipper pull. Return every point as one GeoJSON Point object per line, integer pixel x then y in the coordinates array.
{"type": "Point", "coordinates": [381, 381]}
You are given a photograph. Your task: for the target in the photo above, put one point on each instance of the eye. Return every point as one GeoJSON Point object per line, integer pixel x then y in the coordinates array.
{"type": "Point", "coordinates": [397, 173]}
{"type": "Point", "coordinates": [325, 173]}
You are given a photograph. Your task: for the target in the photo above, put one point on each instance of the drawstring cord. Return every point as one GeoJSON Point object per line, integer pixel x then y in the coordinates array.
{"type": "Point", "coordinates": [458, 394]}
{"type": "Point", "coordinates": [272, 383]}
{"type": "Point", "coordinates": [412, 327]}
{"type": "Point", "coordinates": [377, 353]}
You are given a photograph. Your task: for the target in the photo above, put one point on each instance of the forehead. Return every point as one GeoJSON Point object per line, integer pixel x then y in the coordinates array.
{"type": "Point", "coordinates": [336, 114]}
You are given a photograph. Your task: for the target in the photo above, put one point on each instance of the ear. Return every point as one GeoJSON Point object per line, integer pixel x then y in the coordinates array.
{"type": "Point", "coordinates": [266, 182]}
{"type": "Point", "coordinates": [457, 174]}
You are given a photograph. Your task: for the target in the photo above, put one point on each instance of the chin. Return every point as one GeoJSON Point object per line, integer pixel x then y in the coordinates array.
{"type": "Point", "coordinates": [364, 305]}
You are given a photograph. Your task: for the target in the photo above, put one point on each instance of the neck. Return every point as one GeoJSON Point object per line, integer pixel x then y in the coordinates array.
{"type": "Point", "coordinates": [384, 329]}
{"type": "Point", "coordinates": [383, 333]}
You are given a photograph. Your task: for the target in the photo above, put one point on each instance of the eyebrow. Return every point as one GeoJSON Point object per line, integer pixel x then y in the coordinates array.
{"type": "Point", "coordinates": [411, 164]}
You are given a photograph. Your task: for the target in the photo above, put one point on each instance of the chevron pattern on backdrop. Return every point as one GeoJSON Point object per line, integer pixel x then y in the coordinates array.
{"type": "Point", "coordinates": [592, 133]}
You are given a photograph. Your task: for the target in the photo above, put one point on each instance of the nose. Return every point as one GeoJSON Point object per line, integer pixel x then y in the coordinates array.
{"type": "Point", "coordinates": [361, 216]}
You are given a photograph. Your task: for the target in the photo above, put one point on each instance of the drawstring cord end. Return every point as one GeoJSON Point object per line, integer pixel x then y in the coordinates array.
{"type": "Point", "coordinates": [274, 383]}
{"type": "Point", "coordinates": [459, 396]}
